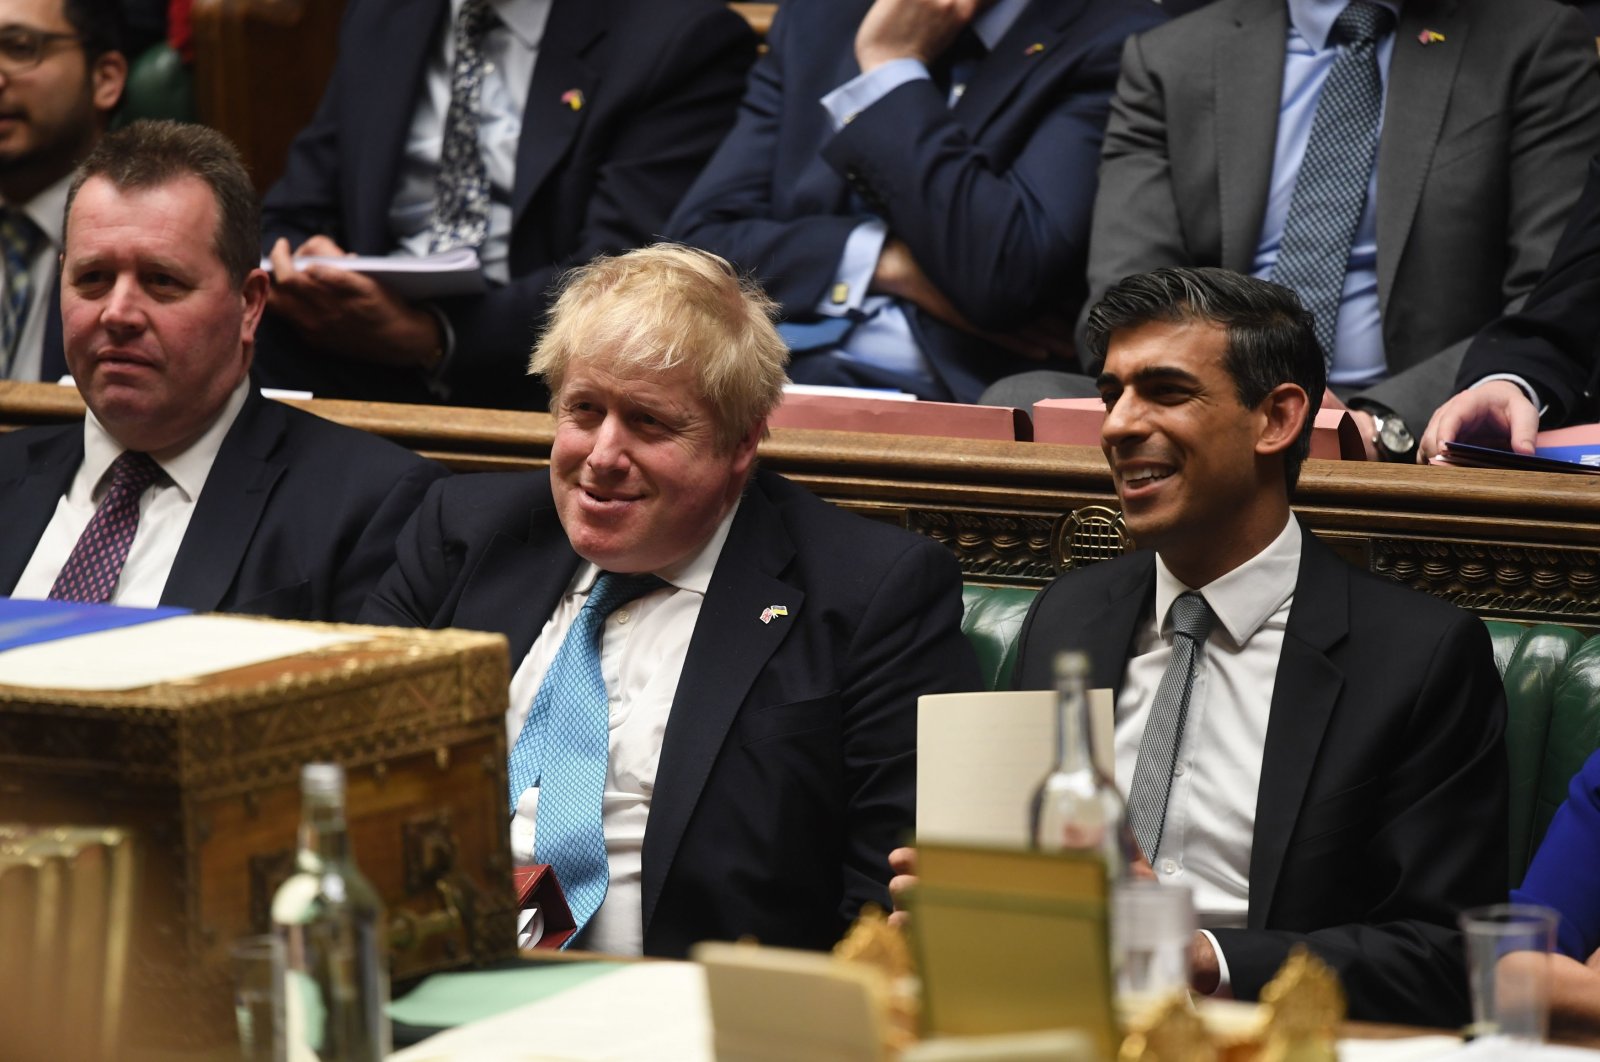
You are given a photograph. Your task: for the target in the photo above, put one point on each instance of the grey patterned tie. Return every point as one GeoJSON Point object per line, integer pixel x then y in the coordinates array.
{"type": "Point", "coordinates": [1163, 729]}
{"type": "Point", "coordinates": [1331, 189]}
{"type": "Point", "coordinates": [20, 239]}
{"type": "Point", "coordinates": [461, 198]}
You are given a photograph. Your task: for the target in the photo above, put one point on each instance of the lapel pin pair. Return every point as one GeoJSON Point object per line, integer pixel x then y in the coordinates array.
{"type": "Point", "coordinates": [573, 98]}
{"type": "Point", "coordinates": [771, 611]}
{"type": "Point", "coordinates": [1429, 36]}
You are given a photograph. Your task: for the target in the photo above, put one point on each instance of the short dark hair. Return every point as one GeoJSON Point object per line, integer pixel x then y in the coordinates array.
{"type": "Point", "coordinates": [148, 154]}
{"type": "Point", "coordinates": [1271, 339]}
{"type": "Point", "coordinates": [98, 24]}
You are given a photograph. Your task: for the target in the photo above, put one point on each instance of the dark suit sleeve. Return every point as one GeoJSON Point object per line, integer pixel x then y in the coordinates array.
{"type": "Point", "coordinates": [412, 592]}
{"type": "Point", "coordinates": [999, 237]}
{"type": "Point", "coordinates": [909, 643]}
{"type": "Point", "coordinates": [1136, 224]}
{"type": "Point", "coordinates": [1551, 341]}
{"type": "Point", "coordinates": [373, 551]}
{"type": "Point", "coordinates": [995, 242]}
{"type": "Point", "coordinates": [1435, 845]}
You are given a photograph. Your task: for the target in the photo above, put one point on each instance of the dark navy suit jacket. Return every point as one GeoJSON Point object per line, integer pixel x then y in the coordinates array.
{"type": "Point", "coordinates": [658, 80]}
{"type": "Point", "coordinates": [993, 196]}
{"type": "Point", "coordinates": [297, 519]}
{"type": "Point", "coordinates": [1381, 812]}
{"type": "Point", "coordinates": [788, 767]}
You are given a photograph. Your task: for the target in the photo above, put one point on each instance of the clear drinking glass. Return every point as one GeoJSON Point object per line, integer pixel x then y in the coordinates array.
{"type": "Point", "coordinates": [1508, 967]}
{"type": "Point", "coordinates": [257, 966]}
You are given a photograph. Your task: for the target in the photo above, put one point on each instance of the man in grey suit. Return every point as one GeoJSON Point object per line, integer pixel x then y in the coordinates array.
{"type": "Point", "coordinates": [1490, 110]}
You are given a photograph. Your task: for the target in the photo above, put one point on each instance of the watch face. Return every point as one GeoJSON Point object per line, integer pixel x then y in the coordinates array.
{"type": "Point", "coordinates": [1394, 435]}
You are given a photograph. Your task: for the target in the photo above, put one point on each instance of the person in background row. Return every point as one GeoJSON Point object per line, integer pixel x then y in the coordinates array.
{"type": "Point", "coordinates": [911, 180]}
{"type": "Point", "coordinates": [537, 132]}
{"type": "Point", "coordinates": [183, 486]}
{"type": "Point", "coordinates": [62, 73]}
{"type": "Point", "coordinates": [1406, 168]}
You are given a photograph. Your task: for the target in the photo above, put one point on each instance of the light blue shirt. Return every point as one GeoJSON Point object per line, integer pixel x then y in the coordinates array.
{"type": "Point", "coordinates": [1358, 355]}
{"type": "Point", "coordinates": [883, 338]}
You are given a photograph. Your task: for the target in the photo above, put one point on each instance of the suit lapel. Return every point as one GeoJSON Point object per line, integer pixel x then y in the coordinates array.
{"type": "Point", "coordinates": [229, 508]}
{"type": "Point", "coordinates": [404, 39]}
{"type": "Point", "coordinates": [562, 80]}
{"type": "Point", "coordinates": [1030, 43]}
{"type": "Point", "coordinates": [1110, 629]}
{"type": "Point", "coordinates": [727, 652]}
{"type": "Point", "coordinates": [1304, 693]}
{"type": "Point", "coordinates": [1421, 79]}
{"type": "Point", "coordinates": [31, 485]}
{"type": "Point", "coordinates": [53, 356]}
{"type": "Point", "coordinates": [1249, 79]}
{"type": "Point", "coordinates": [516, 584]}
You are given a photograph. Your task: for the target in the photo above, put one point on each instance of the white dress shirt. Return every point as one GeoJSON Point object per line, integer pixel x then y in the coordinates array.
{"type": "Point", "coordinates": [510, 48]}
{"type": "Point", "coordinates": [642, 649]}
{"type": "Point", "coordinates": [46, 211]}
{"type": "Point", "coordinates": [1211, 808]}
{"type": "Point", "coordinates": [164, 511]}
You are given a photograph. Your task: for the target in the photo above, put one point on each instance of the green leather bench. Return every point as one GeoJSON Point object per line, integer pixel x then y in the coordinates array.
{"type": "Point", "coordinates": [1552, 677]}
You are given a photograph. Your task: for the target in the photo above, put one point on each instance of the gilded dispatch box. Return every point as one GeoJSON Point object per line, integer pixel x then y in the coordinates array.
{"type": "Point", "coordinates": [204, 772]}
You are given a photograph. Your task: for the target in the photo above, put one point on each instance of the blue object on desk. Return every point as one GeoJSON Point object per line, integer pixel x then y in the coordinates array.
{"type": "Point", "coordinates": [25, 622]}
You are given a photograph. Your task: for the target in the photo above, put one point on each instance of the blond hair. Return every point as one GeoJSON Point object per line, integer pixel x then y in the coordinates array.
{"type": "Point", "coordinates": [655, 308]}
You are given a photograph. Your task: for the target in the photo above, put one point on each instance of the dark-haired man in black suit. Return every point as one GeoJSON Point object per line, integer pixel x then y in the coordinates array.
{"type": "Point", "coordinates": [184, 486]}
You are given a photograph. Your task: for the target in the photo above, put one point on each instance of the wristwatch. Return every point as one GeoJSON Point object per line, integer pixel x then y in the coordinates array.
{"type": "Point", "coordinates": [1390, 436]}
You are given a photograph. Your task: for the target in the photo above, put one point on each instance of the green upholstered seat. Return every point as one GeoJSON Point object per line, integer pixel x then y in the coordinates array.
{"type": "Point", "coordinates": [1551, 674]}
{"type": "Point", "coordinates": [159, 86]}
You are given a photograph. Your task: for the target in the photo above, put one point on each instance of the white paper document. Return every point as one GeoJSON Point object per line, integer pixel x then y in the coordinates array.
{"type": "Point", "coordinates": [167, 650]}
{"type": "Point", "coordinates": [980, 756]}
{"type": "Point", "coordinates": [430, 276]}
{"type": "Point", "coordinates": [642, 1013]}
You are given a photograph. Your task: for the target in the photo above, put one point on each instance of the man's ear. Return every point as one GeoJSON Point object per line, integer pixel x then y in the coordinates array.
{"type": "Point", "coordinates": [744, 451]}
{"type": "Point", "coordinates": [1284, 411]}
{"type": "Point", "coordinates": [107, 78]}
{"type": "Point", "coordinates": [253, 296]}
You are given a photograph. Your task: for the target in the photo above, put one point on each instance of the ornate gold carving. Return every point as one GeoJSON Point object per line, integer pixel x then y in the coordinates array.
{"type": "Point", "coordinates": [1092, 533]}
{"type": "Point", "coordinates": [993, 546]}
{"type": "Point", "coordinates": [428, 847]}
{"type": "Point", "coordinates": [1175, 1034]}
{"type": "Point", "coordinates": [1517, 582]}
{"type": "Point", "coordinates": [1305, 1004]}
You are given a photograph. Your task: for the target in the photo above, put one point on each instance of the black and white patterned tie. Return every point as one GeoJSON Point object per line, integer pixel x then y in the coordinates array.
{"type": "Point", "coordinates": [1163, 728]}
{"type": "Point", "coordinates": [1331, 189]}
{"type": "Point", "coordinates": [461, 198]}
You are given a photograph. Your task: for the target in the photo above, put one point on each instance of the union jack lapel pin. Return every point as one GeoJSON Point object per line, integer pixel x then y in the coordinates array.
{"type": "Point", "coordinates": [770, 611]}
{"type": "Point", "coordinates": [1429, 36]}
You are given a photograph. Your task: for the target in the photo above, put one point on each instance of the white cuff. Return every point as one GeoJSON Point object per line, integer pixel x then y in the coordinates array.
{"type": "Point", "coordinates": [1224, 989]}
{"type": "Point", "coordinates": [1527, 388]}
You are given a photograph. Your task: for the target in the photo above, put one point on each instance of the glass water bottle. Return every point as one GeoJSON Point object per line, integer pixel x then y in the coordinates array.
{"type": "Point", "coordinates": [1077, 806]}
{"type": "Point", "coordinates": [336, 989]}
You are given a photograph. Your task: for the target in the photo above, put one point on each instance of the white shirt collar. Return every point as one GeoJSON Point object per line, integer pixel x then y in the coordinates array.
{"type": "Point", "coordinates": [1246, 597]}
{"type": "Point", "coordinates": [524, 18]}
{"type": "Point", "coordinates": [693, 573]}
{"type": "Point", "coordinates": [1314, 19]}
{"type": "Point", "coordinates": [997, 20]}
{"type": "Point", "coordinates": [187, 470]}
